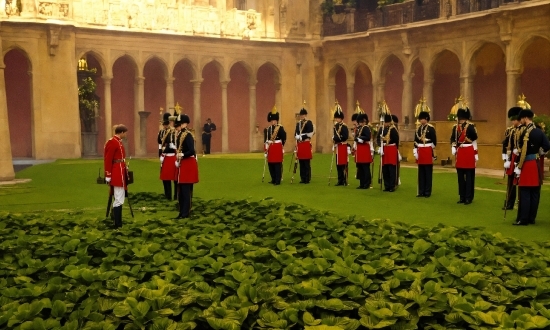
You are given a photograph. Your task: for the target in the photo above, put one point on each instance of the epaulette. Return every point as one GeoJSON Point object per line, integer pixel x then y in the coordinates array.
{"type": "Point", "coordinates": [431, 125]}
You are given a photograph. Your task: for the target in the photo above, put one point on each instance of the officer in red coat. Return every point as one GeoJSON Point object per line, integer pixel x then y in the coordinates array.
{"type": "Point", "coordinates": [167, 159]}
{"type": "Point", "coordinates": [303, 133]}
{"type": "Point", "coordinates": [363, 151]}
{"type": "Point", "coordinates": [464, 148]}
{"type": "Point", "coordinates": [532, 144]}
{"type": "Point", "coordinates": [388, 140]}
{"type": "Point", "coordinates": [275, 139]}
{"type": "Point", "coordinates": [116, 173]}
{"type": "Point", "coordinates": [509, 156]}
{"type": "Point", "coordinates": [425, 141]}
{"type": "Point", "coordinates": [341, 147]}
{"type": "Point", "coordinates": [187, 166]}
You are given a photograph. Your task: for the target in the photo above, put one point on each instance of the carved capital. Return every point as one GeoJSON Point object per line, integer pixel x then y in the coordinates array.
{"type": "Point", "coordinates": [506, 26]}
{"type": "Point", "coordinates": [406, 47]}
{"type": "Point", "coordinates": [54, 32]}
{"type": "Point", "coordinates": [197, 83]}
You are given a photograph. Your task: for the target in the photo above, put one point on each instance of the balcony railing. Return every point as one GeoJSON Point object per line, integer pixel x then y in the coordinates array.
{"type": "Point", "coordinates": [346, 20]}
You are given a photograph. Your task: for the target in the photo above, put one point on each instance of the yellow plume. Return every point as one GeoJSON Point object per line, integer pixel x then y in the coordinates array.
{"type": "Point", "coordinates": [522, 103]}
{"type": "Point", "coordinates": [274, 110]}
{"type": "Point", "coordinates": [358, 109]}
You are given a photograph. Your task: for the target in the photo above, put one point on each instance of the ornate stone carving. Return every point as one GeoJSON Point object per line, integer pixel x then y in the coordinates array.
{"type": "Point", "coordinates": [54, 32]}
{"type": "Point", "coordinates": [13, 7]}
{"type": "Point", "coordinates": [50, 9]}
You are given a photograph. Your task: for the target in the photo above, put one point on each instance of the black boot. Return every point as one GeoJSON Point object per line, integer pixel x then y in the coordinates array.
{"type": "Point", "coordinates": [117, 211]}
{"type": "Point", "coordinates": [176, 190]}
{"type": "Point", "coordinates": [167, 189]}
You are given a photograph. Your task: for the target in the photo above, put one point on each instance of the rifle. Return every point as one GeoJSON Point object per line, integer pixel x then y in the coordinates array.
{"type": "Point", "coordinates": [295, 167]}
{"type": "Point", "coordinates": [331, 165]}
{"type": "Point", "coordinates": [508, 192]}
{"type": "Point", "coordinates": [265, 161]}
{"type": "Point", "coordinates": [381, 133]}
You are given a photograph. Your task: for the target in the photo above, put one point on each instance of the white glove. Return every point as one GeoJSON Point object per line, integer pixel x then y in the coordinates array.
{"type": "Point", "coordinates": [380, 151]}
{"type": "Point", "coordinates": [298, 137]}
{"type": "Point", "coordinates": [333, 146]}
{"type": "Point", "coordinates": [415, 153]}
{"type": "Point", "coordinates": [269, 142]}
{"type": "Point", "coordinates": [516, 152]}
{"type": "Point", "coordinates": [399, 156]}
{"type": "Point", "coordinates": [349, 151]}
{"type": "Point", "coordinates": [507, 164]}
{"type": "Point", "coordinates": [453, 151]}
{"type": "Point", "coordinates": [161, 159]}
{"type": "Point", "coordinates": [517, 170]}
{"type": "Point", "coordinates": [172, 146]}
{"type": "Point", "coordinates": [360, 140]}
{"type": "Point", "coordinates": [541, 152]}
{"type": "Point", "coordinates": [477, 158]}
{"type": "Point", "coordinates": [177, 164]}
{"type": "Point", "coordinates": [504, 157]}
{"type": "Point", "coordinates": [107, 179]}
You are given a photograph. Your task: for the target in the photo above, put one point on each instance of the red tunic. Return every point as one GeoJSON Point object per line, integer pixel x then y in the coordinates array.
{"type": "Point", "coordinates": [275, 153]}
{"type": "Point", "coordinates": [304, 150]}
{"type": "Point", "coordinates": [168, 170]}
{"type": "Point", "coordinates": [425, 155]}
{"type": "Point", "coordinates": [390, 156]}
{"type": "Point", "coordinates": [363, 154]}
{"type": "Point", "coordinates": [342, 154]}
{"type": "Point", "coordinates": [529, 176]}
{"type": "Point", "coordinates": [114, 163]}
{"type": "Point", "coordinates": [188, 170]}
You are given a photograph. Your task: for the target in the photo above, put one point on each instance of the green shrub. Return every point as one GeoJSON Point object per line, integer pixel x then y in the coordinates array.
{"type": "Point", "coordinates": [262, 264]}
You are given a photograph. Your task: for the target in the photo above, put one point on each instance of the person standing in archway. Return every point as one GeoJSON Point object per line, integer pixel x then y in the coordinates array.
{"type": "Point", "coordinates": [207, 130]}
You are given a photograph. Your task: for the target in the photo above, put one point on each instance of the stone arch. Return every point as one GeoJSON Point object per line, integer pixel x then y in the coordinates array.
{"type": "Point", "coordinates": [332, 72]}
{"type": "Point", "coordinates": [161, 60]}
{"type": "Point", "coordinates": [238, 106]}
{"type": "Point", "coordinates": [267, 95]}
{"type": "Point", "coordinates": [275, 69]}
{"type": "Point", "coordinates": [535, 75]}
{"type": "Point", "coordinates": [391, 71]}
{"type": "Point", "coordinates": [384, 63]}
{"type": "Point", "coordinates": [476, 48]}
{"type": "Point", "coordinates": [246, 66]}
{"type": "Point", "coordinates": [446, 82]}
{"type": "Point", "coordinates": [213, 85]}
{"type": "Point", "coordinates": [98, 56]}
{"type": "Point", "coordinates": [155, 73]}
{"type": "Point", "coordinates": [18, 89]}
{"type": "Point", "coordinates": [432, 61]}
{"type": "Point", "coordinates": [219, 67]}
{"type": "Point", "coordinates": [363, 86]}
{"type": "Point", "coordinates": [20, 49]}
{"type": "Point", "coordinates": [189, 62]}
{"type": "Point", "coordinates": [517, 55]}
{"type": "Point", "coordinates": [338, 85]}
{"type": "Point", "coordinates": [132, 59]}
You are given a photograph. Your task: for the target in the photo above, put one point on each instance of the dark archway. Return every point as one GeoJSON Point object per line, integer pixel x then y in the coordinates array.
{"type": "Point", "coordinates": [363, 88]}
{"type": "Point", "coordinates": [123, 98]}
{"type": "Point", "coordinates": [393, 88]}
{"type": "Point", "coordinates": [154, 72]}
{"type": "Point", "coordinates": [238, 109]}
{"type": "Point", "coordinates": [211, 102]}
{"type": "Point", "coordinates": [535, 80]}
{"type": "Point", "coordinates": [446, 85]}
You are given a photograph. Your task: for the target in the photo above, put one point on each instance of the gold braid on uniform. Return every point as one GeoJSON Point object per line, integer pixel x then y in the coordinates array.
{"type": "Point", "coordinates": [509, 134]}
{"type": "Point", "coordinates": [339, 129]}
{"type": "Point", "coordinates": [184, 135]}
{"type": "Point", "coordinates": [524, 147]}
{"type": "Point", "coordinates": [274, 133]}
{"type": "Point", "coordinates": [386, 138]}
{"type": "Point", "coordinates": [423, 132]}
{"type": "Point", "coordinates": [167, 132]}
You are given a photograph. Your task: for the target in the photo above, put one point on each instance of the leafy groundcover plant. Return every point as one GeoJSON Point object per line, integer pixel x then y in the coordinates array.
{"type": "Point", "coordinates": [263, 265]}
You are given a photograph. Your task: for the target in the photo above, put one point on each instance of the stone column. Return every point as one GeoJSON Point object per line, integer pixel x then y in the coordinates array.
{"type": "Point", "coordinates": [252, 115]}
{"type": "Point", "coordinates": [278, 101]}
{"type": "Point", "coordinates": [169, 93]}
{"type": "Point", "coordinates": [380, 96]}
{"type": "Point", "coordinates": [139, 105]}
{"type": "Point", "coordinates": [225, 119]}
{"type": "Point", "coordinates": [143, 132]}
{"type": "Point", "coordinates": [467, 88]}
{"type": "Point", "coordinates": [197, 113]}
{"type": "Point", "coordinates": [107, 102]}
{"type": "Point", "coordinates": [6, 165]}
{"type": "Point", "coordinates": [406, 99]}
{"type": "Point", "coordinates": [512, 87]}
{"type": "Point", "coordinates": [331, 102]}
{"type": "Point", "coordinates": [350, 94]}
{"type": "Point", "coordinates": [428, 92]}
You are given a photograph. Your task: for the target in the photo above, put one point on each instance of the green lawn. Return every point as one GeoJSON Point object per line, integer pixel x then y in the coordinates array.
{"type": "Point", "coordinates": [70, 184]}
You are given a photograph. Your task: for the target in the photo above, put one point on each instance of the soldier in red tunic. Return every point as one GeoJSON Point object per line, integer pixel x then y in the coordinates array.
{"type": "Point", "coordinates": [167, 159]}
{"type": "Point", "coordinates": [425, 141]}
{"type": "Point", "coordinates": [341, 147]}
{"type": "Point", "coordinates": [116, 173]}
{"type": "Point", "coordinates": [363, 151]}
{"type": "Point", "coordinates": [532, 144]}
{"type": "Point", "coordinates": [187, 166]}
{"type": "Point", "coordinates": [303, 133]}
{"type": "Point", "coordinates": [388, 140]}
{"type": "Point", "coordinates": [275, 139]}
{"type": "Point", "coordinates": [509, 156]}
{"type": "Point", "coordinates": [464, 148]}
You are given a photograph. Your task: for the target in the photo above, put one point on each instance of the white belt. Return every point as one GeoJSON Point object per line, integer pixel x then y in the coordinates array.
{"type": "Point", "coordinates": [465, 145]}
{"type": "Point", "coordinates": [169, 155]}
{"type": "Point", "coordinates": [389, 145]}
{"type": "Point", "coordinates": [277, 141]}
{"type": "Point", "coordinates": [420, 145]}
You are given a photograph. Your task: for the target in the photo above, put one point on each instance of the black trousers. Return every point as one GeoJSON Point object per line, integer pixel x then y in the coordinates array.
{"type": "Point", "coordinates": [529, 198]}
{"type": "Point", "coordinates": [341, 169]}
{"type": "Point", "coordinates": [511, 193]}
{"type": "Point", "coordinates": [276, 172]}
{"type": "Point", "coordinates": [185, 197]}
{"type": "Point", "coordinates": [389, 173]}
{"type": "Point", "coordinates": [168, 189]}
{"type": "Point", "coordinates": [466, 182]}
{"type": "Point", "coordinates": [305, 170]}
{"type": "Point", "coordinates": [425, 174]}
{"type": "Point", "coordinates": [363, 174]}
{"type": "Point", "coordinates": [206, 139]}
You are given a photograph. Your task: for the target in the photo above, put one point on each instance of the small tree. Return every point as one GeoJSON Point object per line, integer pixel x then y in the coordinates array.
{"type": "Point", "coordinates": [88, 103]}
